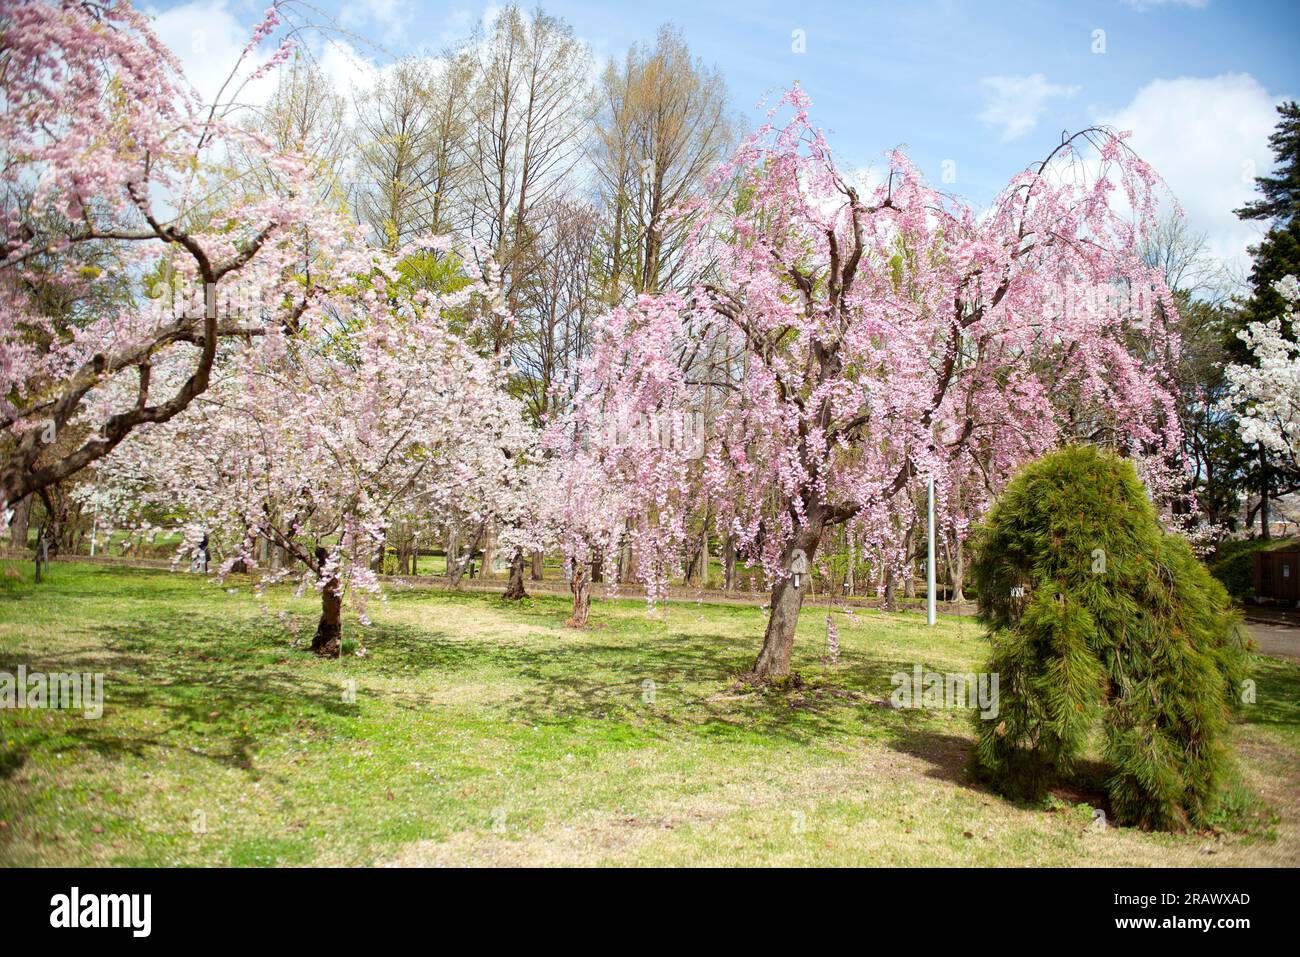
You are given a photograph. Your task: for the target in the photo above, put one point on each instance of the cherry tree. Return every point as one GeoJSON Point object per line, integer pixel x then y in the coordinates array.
{"type": "Point", "coordinates": [580, 513]}
{"type": "Point", "coordinates": [115, 176]}
{"type": "Point", "coordinates": [881, 336]}
{"type": "Point", "coordinates": [620, 477]}
{"type": "Point", "coordinates": [315, 442]}
{"type": "Point", "coordinates": [1267, 393]}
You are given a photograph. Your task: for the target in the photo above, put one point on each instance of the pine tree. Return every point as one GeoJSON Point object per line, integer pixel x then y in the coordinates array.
{"type": "Point", "coordinates": [1098, 616]}
{"type": "Point", "coordinates": [1281, 200]}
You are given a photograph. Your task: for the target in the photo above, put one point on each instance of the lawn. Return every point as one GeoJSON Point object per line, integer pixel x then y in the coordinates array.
{"type": "Point", "coordinates": [484, 732]}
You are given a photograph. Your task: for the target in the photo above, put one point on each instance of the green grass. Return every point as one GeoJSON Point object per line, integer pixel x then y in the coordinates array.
{"type": "Point", "coordinates": [486, 732]}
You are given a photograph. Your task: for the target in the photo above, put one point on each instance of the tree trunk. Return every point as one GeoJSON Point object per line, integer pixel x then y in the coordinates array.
{"type": "Point", "coordinates": [489, 549]}
{"type": "Point", "coordinates": [456, 570]}
{"type": "Point", "coordinates": [729, 564]}
{"type": "Point", "coordinates": [625, 557]}
{"type": "Point", "coordinates": [704, 553]}
{"type": "Point", "coordinates": [1264, 531]}
{"type": "Point", "coordinates": [783, 615]}
{"type": "Point", "coordinates": [691, 565]}
{"type": "Point", "coordinates": [330, 629]}
{"type": "Point", "coordinates": [515, 589]}
{"type": "Point", "coordinates": [956, 571]}
{"type": "Point", "coordinates": [20, 524]}
{"type": "Point", "coordinates": [889, 603]}
{"type": "Point", "coordinates": [581, 588]}
{"type": "Point", "coordinates": [56, 513]}
{"type": "Point", "coordinates": [539, 558]}
{"type": "Point", "coordinates": [453, 550]}
{"type": "Point", "coordinates": [597, 566]}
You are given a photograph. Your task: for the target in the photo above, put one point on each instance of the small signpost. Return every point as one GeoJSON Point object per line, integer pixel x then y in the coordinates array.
{"type": "Point", "coordinates": [798, 567]}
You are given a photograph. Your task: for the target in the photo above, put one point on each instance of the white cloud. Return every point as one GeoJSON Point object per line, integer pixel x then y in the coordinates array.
{"type": "Point", "coordinates": [208, 39]}
{"type": "Point", "coordinates": [1208, 138]}
{"type": "Point", "coordinates": [390, 16]}
{"type": "Point", "coordinates": [346, 69]}
{"type": "Point", "coordinates": [1015, 103]}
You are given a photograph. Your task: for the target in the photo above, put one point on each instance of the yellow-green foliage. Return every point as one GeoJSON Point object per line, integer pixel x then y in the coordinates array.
{"type": "Point", "coordinates": [1096, 613]}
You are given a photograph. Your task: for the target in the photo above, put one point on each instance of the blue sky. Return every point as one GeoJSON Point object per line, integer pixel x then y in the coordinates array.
{"type": "Point", "coordinates": [987, 86]}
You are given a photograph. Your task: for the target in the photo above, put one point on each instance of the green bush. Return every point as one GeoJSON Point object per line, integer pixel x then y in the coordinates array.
{"type": "Point", "coordinates": [1097, 615]}
{"type": "Point", "coordinates": [1233, 563]}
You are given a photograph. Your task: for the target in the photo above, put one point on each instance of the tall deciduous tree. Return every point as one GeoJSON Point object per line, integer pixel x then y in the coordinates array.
{"type": "Point", "coordinates": [661, 129]}
{"type": "Point", "coordinates": [528, 108]}
{"type": "Point", "coordinates": [411, 140]}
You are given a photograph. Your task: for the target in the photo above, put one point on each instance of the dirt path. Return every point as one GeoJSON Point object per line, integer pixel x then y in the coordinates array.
{"type": "Point", "coordinates": [1277, 641]}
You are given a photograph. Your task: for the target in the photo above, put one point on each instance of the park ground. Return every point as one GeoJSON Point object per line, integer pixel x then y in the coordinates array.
{"type": "Point", "coordinates": [476, 731]}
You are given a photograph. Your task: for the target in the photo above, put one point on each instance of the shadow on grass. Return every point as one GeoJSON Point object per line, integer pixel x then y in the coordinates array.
{"type": "Point", "coordinates": [218, 686]}
{"type": "Point", "coordinates": [670, 682]}
{"type": "Point", "coordinates": [950, 758]}
{"type": "Point", "coordinates": [212, 694]}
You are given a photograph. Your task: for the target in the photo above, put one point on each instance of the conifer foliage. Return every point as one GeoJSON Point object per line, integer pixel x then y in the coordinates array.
{"type": "Point", "coordinates": [1099, 616]}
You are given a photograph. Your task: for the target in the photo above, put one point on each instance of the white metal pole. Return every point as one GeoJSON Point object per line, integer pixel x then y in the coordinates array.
{"type": "Point", "coordinates": [929, 561]}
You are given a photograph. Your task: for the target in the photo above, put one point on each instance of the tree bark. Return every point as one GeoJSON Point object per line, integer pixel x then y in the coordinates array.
{"type": "Point", "coordinates": [581, 588]}
{"type": "Point", "coordinates": [515, 588]}
{"type": "Point", "coordinates": [329, 630]}
{"type": "Point", "coordinates": [456, 569]}
{"type": "Point", "coordinates": [539, 559]}
{"type": "Point", "coordinates": [890, 602]}
{"type": "Point", "coordinates": [18, 528]}
{"type": "Point", "coordinates": [783, 615]}
{"type": "Point", "coordinates": [56, 514]}
{"type": "Point", "coordinates": [704, 553]}
{"type": "Point", "coordinates": [956, 570]}
{"type": "Point", "coordinates": [625, 556]}
{"type": "Point", "coordinates": [1264, 531]}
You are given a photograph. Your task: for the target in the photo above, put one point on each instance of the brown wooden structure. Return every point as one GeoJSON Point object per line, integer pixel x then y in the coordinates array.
{"type": "Point", "coordinates": [1277, 576]}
